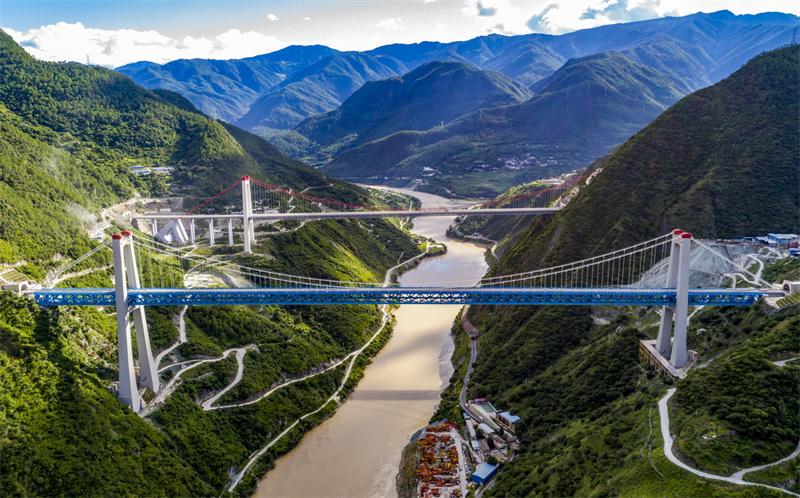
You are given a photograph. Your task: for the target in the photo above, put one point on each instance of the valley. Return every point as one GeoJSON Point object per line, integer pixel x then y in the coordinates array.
{"type": "Point", "coordinates": [632, 325]}
{"type": "Point", "coordinates": [397, 395]}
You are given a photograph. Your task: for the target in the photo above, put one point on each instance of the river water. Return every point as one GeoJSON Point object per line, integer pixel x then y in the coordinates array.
{"type": "Point", "coordinates": [357, 451]}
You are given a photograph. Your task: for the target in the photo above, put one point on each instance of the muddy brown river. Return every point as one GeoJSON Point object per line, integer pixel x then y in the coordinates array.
{"type": "Point", "coordinates": [357, 451]}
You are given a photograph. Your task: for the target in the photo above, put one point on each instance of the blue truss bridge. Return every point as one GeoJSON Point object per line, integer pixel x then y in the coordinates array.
{"type": "Point", "coordinates": [404, 295]}
{"type": "Point", "coordinates": [659, 272]}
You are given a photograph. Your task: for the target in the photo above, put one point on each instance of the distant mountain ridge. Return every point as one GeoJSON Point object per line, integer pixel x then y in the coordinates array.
{"type": "Point", "coordinates": [584, 110]}
{"type": "Point", "coordinates": [315, 89]}
{"type": "Point", "coordinates": [225, 89]}
{"type": "Point", "coordinates": [700, 48]}
{"type": "Point", "coordinates": [432, 95]}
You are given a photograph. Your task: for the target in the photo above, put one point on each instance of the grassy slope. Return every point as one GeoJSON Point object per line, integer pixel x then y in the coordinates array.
{"type": "Point", "coordinates": [741, 410]}
{"type": "Point", "coordinates": [591, 423]}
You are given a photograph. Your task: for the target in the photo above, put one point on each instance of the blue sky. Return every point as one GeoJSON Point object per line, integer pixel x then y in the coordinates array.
{"type": "Point", "coordinates": [116, 32]}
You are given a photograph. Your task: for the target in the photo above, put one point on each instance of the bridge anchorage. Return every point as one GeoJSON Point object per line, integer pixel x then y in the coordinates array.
{"type": "Point", "coordinates": [657, 272]}
{"type": "Point", "coordinates": [264, 202]}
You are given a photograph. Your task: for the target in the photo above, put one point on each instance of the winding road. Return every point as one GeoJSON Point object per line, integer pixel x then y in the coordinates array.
{"type": "Point", "coordinates": [240, 352]}
{"type": "Point", "coordinates": [181, 337]}
{"type": "Point", "coordinates": [238, 477]}
{"type": "Point", "coordinates": [735, 478]}
{"type": "Point", "coordinates": [472, 332]}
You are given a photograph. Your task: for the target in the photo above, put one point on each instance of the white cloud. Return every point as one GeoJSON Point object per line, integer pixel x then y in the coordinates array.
{"type": "Point", "coordinates": [272, 17]}
{"type": "Point", "coordinates": [391, 24]}
{"type": "Point", "coordinates": [623, 11]}
{"type": "Point", "coordinates": [494, 16]}
{"type": "Point", "coordinates": [542, 22]}
{"type": "Point", "coordinates": [113, 48]}
{"type": "Point", "coordinates": [558, 16]}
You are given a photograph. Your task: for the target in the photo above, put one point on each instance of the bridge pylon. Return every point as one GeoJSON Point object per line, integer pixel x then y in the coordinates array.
{"type": "Point", "coordinates": [125, 275]}
{"type": "Point", "coordinates": [678, 279]}
{"type": "Point", "coordinates": [247, 214]}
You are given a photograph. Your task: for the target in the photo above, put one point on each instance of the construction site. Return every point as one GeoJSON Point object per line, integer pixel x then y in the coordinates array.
{"type": "Point", "coordinates": [441, 464]}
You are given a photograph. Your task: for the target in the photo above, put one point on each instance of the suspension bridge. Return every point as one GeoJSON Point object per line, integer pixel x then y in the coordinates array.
{"type": "Point", "coordinates": [262, 202]}
{"type": "Point", "coordinates": [659, 272]}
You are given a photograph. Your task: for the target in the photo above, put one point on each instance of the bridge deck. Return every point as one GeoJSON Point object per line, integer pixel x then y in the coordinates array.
{"type": "Point", "coordinates": [397, 295]}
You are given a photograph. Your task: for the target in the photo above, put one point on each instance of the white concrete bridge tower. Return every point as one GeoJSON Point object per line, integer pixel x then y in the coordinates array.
{"type": "Point", "coordinates": [247, 215]}
{"type": "Point", "coordinates": [678, 279]}
{"type": "Point", "coordinates": [125, 273]}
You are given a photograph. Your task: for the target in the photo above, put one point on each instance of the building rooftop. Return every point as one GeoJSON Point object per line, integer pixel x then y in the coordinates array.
{"type": "Point", "coordinates": [509, 417]}
{"type": "Point", "coordinates": [485, 428]}
{"type": "Point", "coordinates": [484, 470]}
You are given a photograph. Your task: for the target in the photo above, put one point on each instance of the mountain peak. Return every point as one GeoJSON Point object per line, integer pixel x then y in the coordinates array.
{"type": "Point", "coordinates": [692, 168]}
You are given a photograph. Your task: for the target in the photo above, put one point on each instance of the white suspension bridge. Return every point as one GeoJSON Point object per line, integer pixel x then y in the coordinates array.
{"type": "Point", "coordinates": [262, 202]}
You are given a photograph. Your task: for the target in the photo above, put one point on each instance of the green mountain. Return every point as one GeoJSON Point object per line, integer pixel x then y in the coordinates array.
{"type": "Point", "coordinates": [317, 88]}
{"type": "Point", "coordinates": [585, 109]}
{"type": "Point", "coordinates": [431, 95]}
{"type": "Point", "coordinates": [722, 162]}
{"type": "Point", "coordinates": [68, 136]}
{"type": "Point", "coordinates": [71, 133]}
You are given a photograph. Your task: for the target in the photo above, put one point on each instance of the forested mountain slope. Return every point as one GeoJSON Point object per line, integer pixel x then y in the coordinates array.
{"type": "Point", "coordinates": [71, 133]}
{"type": "Point", "coordinates": [722, 162]}
{"type": "Point", "coordinates": [68, 136]}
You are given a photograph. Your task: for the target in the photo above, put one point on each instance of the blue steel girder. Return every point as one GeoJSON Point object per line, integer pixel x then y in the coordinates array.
{"type": "Point", "coordinates": [398, 295]}
{"type": "Point", "coordinates": [74, 297]}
